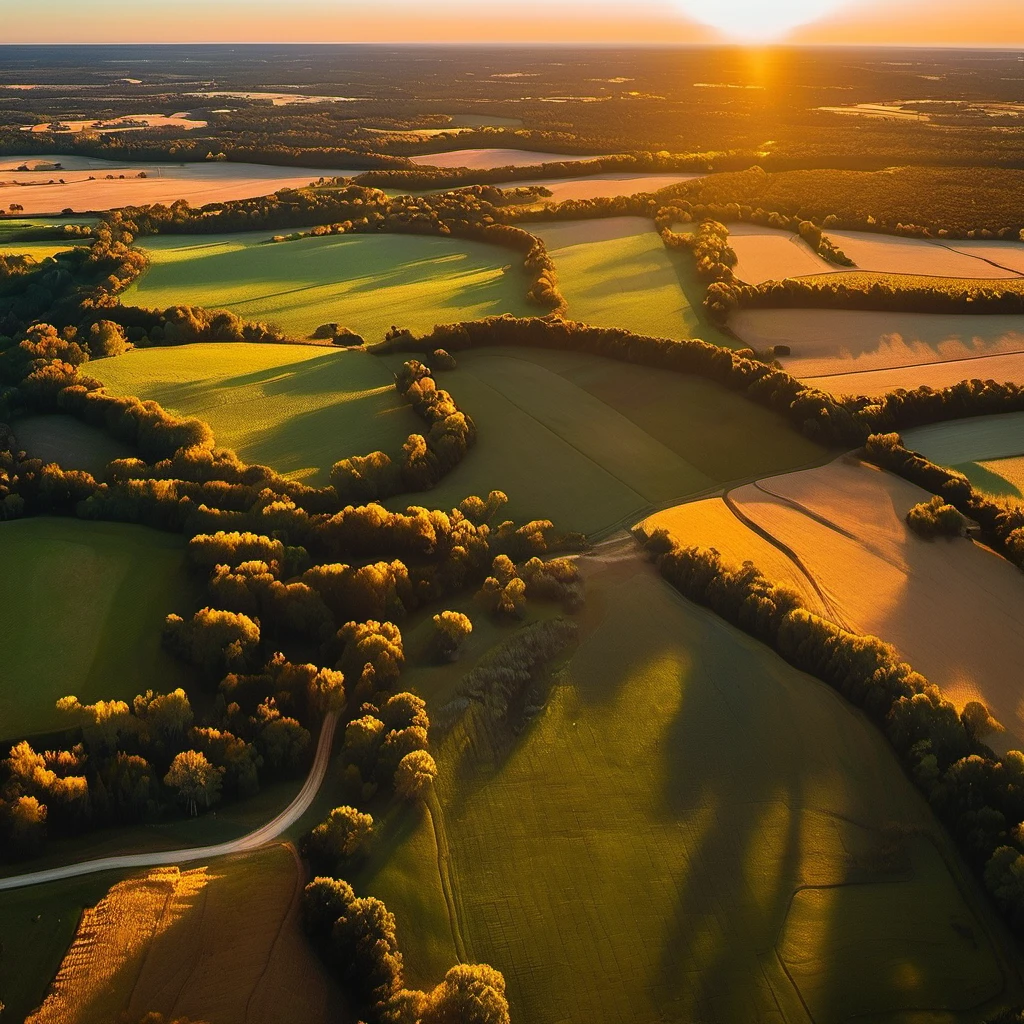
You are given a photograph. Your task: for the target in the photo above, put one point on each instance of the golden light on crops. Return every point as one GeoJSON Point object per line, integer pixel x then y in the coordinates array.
{"type": "Point", "coordinates": [758, 20]}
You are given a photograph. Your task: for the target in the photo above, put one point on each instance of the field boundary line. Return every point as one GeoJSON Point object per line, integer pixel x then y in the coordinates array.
{"type": "Point", "coordinates": [432, 805]}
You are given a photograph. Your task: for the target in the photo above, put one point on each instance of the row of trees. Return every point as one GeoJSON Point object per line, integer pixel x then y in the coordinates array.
{"type": "Point", "coordinates": [128, 763]}
{"type": "Point", "coordinates": [977, 794]}
{"type": "Point", "coordinates": [357, 938]}
{"type": "Point", "coordinates": [425, 459]}
{"type": "Point", "coordinates": [1001, 524]}
{"type": "Point", "coordinates": [888, 292]}
{"type": "Point", "coordinates": [845, 421]}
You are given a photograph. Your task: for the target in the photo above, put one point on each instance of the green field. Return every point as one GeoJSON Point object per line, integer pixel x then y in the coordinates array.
{"type": "Point", "coordinates": [13, 225]}
{"type": "Point", "coordinates": [296, 408]}
{"type": "Point", "coordinates": [36, 927]}
{"type": "Point", "coordinates": [366, 282]}
{"type": "Point", "coordinates": [616, 272]}
{"type": "Point", "coordinates": [641, 851]}
{"type": "Point", "coordinates": [588, 441]}
{"type": "Point", "coordinates": [988, 450]}
{"type": "Point", "coordinates": [81, 614]}
{"type": "Point", "coordinates": [37, 250]}
{"type": "Point", "coordinates": [69, 442]}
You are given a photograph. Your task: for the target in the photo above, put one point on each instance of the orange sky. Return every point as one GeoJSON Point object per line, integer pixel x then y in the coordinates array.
{"type": "Point", "coordinates": [928, 22]}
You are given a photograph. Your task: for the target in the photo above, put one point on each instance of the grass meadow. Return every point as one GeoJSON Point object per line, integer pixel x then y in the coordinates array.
{"type": "Point", "coordinates": [365, 282]}
{"type": "Point", "coordinates": [639, 851]}
{"type": "Point", "coordinates": [589, 442]}
{"type": "Point", "coordinates": [85, 616]}
{"type": "Point", "coordinates": [37, 250]}
{"type": "Point", "coordinates": [616, 272]}
{"type": "Point", "coordinates": [296, 408]}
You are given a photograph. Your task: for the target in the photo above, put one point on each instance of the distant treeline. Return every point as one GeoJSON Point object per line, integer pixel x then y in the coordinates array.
{"type": "Point", "coordinates": [940, 202]}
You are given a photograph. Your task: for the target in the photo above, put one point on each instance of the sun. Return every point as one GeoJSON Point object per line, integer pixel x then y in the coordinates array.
{"type": "Point", "coordinates": [758, 20]}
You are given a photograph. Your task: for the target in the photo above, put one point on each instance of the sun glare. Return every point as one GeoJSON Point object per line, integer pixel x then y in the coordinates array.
{"type": "Point", "coordinates": [758, 21]}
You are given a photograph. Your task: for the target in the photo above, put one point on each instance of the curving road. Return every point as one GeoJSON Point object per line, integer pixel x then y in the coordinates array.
{"type": "Point", "coordinates": [252, 841]}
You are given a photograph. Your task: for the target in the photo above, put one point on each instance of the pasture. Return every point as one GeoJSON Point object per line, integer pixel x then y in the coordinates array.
{"type": "Point", "coordinates": [684, 784]}
{"type": "Point", "coordinates": [84, 617]}
{"type": "Point", "coordinates": [365, 282]}
{"type": "Point", "coordinates": [38, 250]}
{"type": "Point", "coordinates": [69, 442]}
{"type": "Point", "coordinates": [296, 408]}
{"type": "Point", "coordinates": [589, 442]}
{"type": "Point", "coordinates": [485, 159]}
{"type": "Point", "coordinates": [988, 450]}
{"type": "Point", "coordinates": [847, 342]}
{"type": "Point", "coordinates": [975, 439]}
{"type": "Point", "coordinates": [86, 184]}
{"type": "Point", "coordinates": [616, 272]}
{"type": "Point", "coordinates": [222, 942]}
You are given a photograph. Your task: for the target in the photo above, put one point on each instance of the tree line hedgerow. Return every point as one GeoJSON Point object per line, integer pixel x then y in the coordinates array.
{"type": "Point", "coordinates": [978, 794]}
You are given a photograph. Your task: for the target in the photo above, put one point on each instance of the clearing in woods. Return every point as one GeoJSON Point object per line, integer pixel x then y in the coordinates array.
{"type": "Point", "coordinates": [69, 442]}
{"type": "Point", "coordinates": [673, 860]}
{"type": "Point", "coordinates": [222, 943]}
{"type": "Point", "coordinates": [365, 282]}
{"type": "Point", "coordinates": [296, 408]}
{"type": "Point", "coordinates": [83, 617]}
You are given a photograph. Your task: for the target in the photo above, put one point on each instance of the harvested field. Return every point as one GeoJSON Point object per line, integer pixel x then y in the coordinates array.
{"type": "Point", "coordinates": [1002, 254]}
{"type": "Point", "coordinates": [69, 442]}
{"type": "Point", "coordinates": [485, 159]}
{"type": "Point", "coordinates": [587, 441]}
{"type": "Point", "coordinates": [599, 186]}
{"type": "Point", "coordinates": [616, 272]}
{"type": "Point", "coordinates": [824, 342]}
{"type": "Point", "coordinates": [1009, 367]}
{"type": "Point", "coordinates": [671, 858]}
{"type": "Point", "coordinates": [895, 254]}
{"type": "Point", "coordinates": [365, 282]}
{"type": "Point", "coordinates": [845, 522]}
{"type": "Point", "coordinates": [712, 523]}
{"type": "Point", "coordinates": [40, 924]}
{"type": "Point", "coordinates": [296, 408]}
{"type": "Point", "coordinates": [770, 254]}
{"type": "Point", "coordinates": [81, 618]}
{"type": "Point", "coordinates": [129, 123]}
{"type": "Point", "coordinates": [220, 943]}
{"type": "Point", "coordinates": [87, 186]}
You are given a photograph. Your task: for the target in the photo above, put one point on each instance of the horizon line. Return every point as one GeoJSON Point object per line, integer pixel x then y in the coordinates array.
{"type": "Point", "coordinates": [597, 44]}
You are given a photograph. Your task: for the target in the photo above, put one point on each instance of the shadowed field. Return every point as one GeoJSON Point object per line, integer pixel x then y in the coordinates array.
{"type": "Point", "coordinates": [84, 617]}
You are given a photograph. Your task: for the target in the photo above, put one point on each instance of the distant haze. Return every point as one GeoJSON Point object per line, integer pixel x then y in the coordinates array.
{"type": "Point", "coordinates": [927, 22]}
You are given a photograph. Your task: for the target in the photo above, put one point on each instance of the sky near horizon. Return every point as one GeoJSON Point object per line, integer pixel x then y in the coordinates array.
{"type": "Point", "coordinates": [997, 23]}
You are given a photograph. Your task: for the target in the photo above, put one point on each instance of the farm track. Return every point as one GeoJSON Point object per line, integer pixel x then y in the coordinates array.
{"type": "Point", "coordinates": [244, 844]}
{"type": "Point", "coordinates": [786, 550]}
